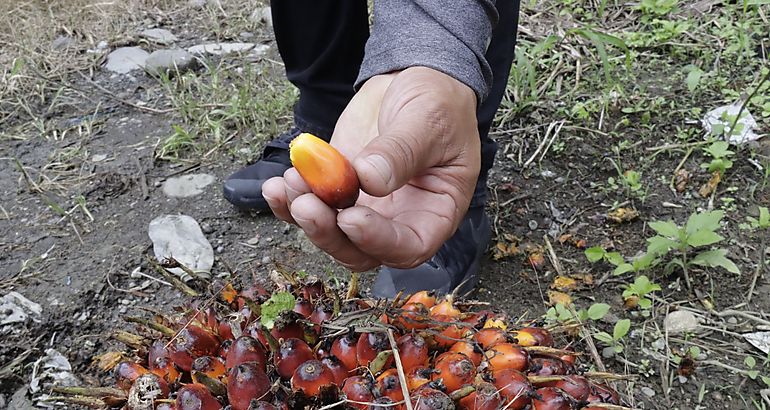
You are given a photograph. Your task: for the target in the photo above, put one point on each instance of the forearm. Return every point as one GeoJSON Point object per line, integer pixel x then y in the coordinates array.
{"type": "Point", "coordinates": [448, 36]}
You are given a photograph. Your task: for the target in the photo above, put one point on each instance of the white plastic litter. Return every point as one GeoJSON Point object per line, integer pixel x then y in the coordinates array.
{"type": "Point", "coordinates": [724, 116]}
{"type": "Point", "coordinates": [760, 340]}
{"type": "Point", "coordinates": [52, 368]}
{"type": "Point", "coordinates": [15, 308]}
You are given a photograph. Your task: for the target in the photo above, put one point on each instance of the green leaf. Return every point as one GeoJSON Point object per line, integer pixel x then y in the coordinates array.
{"type": "Point", "coordinates": [643, 261]}
{"type": "Point", "coordinates": [750, 362]}
{"type": "Point", "coordinates": [598, 310]}
{"type": "Point", "coordinates": [594, 253]}
{"type": "Point", "coordinates": [766, 380]}
{"type": "Point", "coordinates": [645, 303]}
{"type": "Point", "coordinates": [614, 258]}
{"type": "Point", "coordinates": [703, 238]}
{"type": "Point", "coordinates": [604, 337]}
{"type": "Point", "coordinates": [278, 303]}
{"type": "Point", "coordinates": [658, 245]}
{"type": "Point", "coordinates": [752, 374]}
{"type": "Point", "coordinates": [621, 329]}
{"type": "Point", "coordinates": [667, 229]}
{"type": "Point", "coordinates": [693, 78]}
{"type": "Point", "coordinates": [715, 258]}
{"type": "Point", "coordinates": [764, 217]}
{"type": "Point", "coordinates": [704, 221]}
{"type": "Point", "coordinates": [623, 268]}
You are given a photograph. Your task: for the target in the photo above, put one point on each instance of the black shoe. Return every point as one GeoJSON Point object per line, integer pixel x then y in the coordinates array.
{"type": "Point", "coordinates": [455, 264]}
{"type": "Point", "coordinates": [244, 188]}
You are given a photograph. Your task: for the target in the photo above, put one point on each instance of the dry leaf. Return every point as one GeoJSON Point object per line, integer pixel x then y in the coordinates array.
{"type": "Point", "coordinates": [537, 260]}
{"type": "Point", "coordinates": [580, 244]}
{"type": "Point", "coordinates": [681, 178]}
{"type": "Point", "coordinates": [229, 293]}
{"type": "Point", "coordinates": [709, 187]}
{"type": "Point", "coordinates": [497, 323]}
{"type": "Point", "coordinates": [109, 360]}
{"type": "Point", "coordinates": [621, 215]}
{"type": "Point", "coordinates": [631, 302]}
{"type": "Point", "coordinates": [567, 237]}
{"type": "Point", "coordinates": [564, 284]}
{"type": "Point", "coordinates": [556, 297]}
{"type": "Point", "coordinates": [586, 278]}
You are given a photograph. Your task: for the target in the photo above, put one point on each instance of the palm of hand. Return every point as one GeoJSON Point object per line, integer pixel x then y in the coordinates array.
{"type": "Point", "coordinates": [421, 125]}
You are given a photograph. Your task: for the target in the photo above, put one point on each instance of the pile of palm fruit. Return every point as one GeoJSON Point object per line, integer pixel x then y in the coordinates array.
{"type": "Point", "coordinates": [303, 344]}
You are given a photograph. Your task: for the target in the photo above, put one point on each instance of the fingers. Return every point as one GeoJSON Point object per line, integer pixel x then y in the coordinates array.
{"type": "Point", "coordinates": [402, 242]}
{"type": "Point", "coordinates": [295, 185]}
{"type": "Point", "coordinates": [320, 224]}
{"type": "Point", "coordinates": [280, 192]}
{"type": "Point", "coordinates": [274, 192]}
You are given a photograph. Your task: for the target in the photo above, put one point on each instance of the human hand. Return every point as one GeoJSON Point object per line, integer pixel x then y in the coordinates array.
{"type": "Point", "coordinates": [412, 138]}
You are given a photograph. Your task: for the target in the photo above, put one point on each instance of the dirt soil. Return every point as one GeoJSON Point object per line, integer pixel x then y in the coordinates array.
{"type": "Point", "coordinates": [81, 266]}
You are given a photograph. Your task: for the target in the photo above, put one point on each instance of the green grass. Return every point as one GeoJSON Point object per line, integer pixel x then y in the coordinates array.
{"type": "Point", "coordinates": [220, 102]}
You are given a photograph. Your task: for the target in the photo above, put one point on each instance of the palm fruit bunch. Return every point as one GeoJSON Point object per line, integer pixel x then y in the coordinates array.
{"type": "Point", "coordinates": [302, 345]}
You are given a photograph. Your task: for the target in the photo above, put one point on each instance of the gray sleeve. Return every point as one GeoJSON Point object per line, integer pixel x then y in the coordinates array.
{"type": "Point", "coordinates": [450, 36]}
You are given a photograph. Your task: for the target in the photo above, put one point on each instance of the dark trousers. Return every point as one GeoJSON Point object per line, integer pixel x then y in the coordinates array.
{"type": "Point", "coordinates": [322, 46]}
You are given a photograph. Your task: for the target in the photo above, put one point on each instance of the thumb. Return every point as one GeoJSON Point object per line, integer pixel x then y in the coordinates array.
{"type": "Point", "coordinates": [389, 161]}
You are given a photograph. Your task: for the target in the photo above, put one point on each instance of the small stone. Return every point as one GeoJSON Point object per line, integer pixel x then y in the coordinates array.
{"type": "Point", "coordinates": [102, 45]}
{"type": "Point", "coordinates": [265, 260]}
{"type": "Point", "coordinates": [608, 352]}
{"type": "Point", "coordinates": [732, 320]}
{"type": "Point", "coordinates": [220, 249]}
{"type": "Point", "coordinates": [268, 239]}
{"type": "Point", "coordinates": [262, 15]}
{"type": "Point", "coordinates": [62, 42]}
{"type": "Point", "coordinates": [659, 344]}
{"type": "Point", "coordinates": [680, 321]}
{"type": "Point", "coordinates": [98, 157]}
{"type": "Point", "coordinates": [188, 185]}
{"type": "Point", "coordinates": [170, 61]}
{"type": "Point", "coordinates": [682, 379]}
{"type": "Point", "coordinates": [206, 228]}
{"type": "Point", "coordinates": [125, 302]}
{"type": "Point", "coordinates": [253, 241]}
{"type": "Point", "coordinates": [126, 59]}
{"type": "Point", "coordinates": [159, 36]}
{"type": "Point", "coordinates": [717, 396]}
{"type": "Point", "coordinates": [648, 391]}
{"type": "Point", "coordinates": [198, 4]}
{"type": "Point", "coordinates": [532, 225]}
{"type": "Point", "coordinates": [123, 309]}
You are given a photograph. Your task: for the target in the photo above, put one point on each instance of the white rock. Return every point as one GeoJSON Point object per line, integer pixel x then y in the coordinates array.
{"type": "Point", "coordinates": [159, 35]}
{"type": "Point", "coordinates": [648, 391]}
{"type": "Point", "coordinates": [125, 59]}
{"type": "Point", "coordinates": [220, 49]}
{"type": "Point", "coordinates": [180, 237]}
{"type": "Point", "coordinates": [188, 185]}
{"type": "Point", "coordinates": [681, 321]}
{"type": "Point", "coordinates": [170, 61]}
